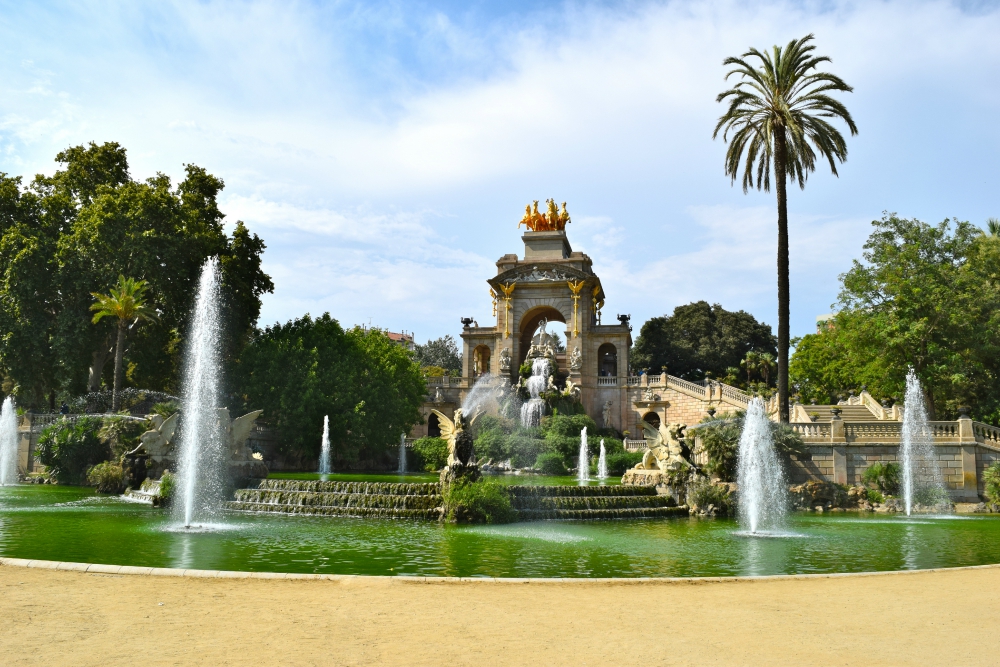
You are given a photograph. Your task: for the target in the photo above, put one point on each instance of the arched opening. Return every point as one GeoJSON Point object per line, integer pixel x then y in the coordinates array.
{"type": "Point", "coordinates": [480, 360]}
{"type": "Point", "coordinates": [607, 360]}
{"type": "Point", "coordinates": [529, 325]}
{"type": "Point", "coordinates": [433, 427]}
{"type": "Point", "coordinates": [652, 419]}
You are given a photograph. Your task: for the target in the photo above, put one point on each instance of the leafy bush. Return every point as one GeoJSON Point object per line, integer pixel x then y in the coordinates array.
{"type": "Point", "coordinates": [551, 463]}
{"type": "Point", "coordinates": [720, 438]}
{"type": "Point", "coordinates": [166, 408]}
{"type": "Point", "coordinates": [874, 496]}
{"type": "Point", "coordinates": [121, 434]}
{"type": "Point", "coordinates": [432, 452]}
{"type": "Point", "coordinates": [562, 433]}
{"type": "Point", "coordinates": [991, 482]}
{"type": "Point", "coordinates": [478, 502]}
{"type": "Point", "coordinates": [930, 496]}
{"type": "Point", "coordinates": [885, 476]}
{"type": "Point", "coordinates": [69, 448]}
{"type": "Point", "coordinates": [703, 495]}
{"type": "Point", "coordinates": [619, 462]}
{"type": "Point", "coordinates": [167, 483]}
{"type": "Point", "coordinates": [108, 477]}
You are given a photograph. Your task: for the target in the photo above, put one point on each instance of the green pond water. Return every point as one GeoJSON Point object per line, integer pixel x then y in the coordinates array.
{"type": "Point", "coordinates": [73, 524]}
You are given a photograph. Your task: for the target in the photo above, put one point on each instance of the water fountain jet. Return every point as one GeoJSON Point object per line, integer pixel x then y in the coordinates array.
{"type": "Point", "coordinates": [8, 443]}
{"type": "Point", "coordinates": [402, 454]}
{"type": "Point", "coordinates": [762, 487]}
{"type": "Point", "coordinates": [920, 472]}
{"type": "Point", "coordinates": [583, 470]}
{"type": "Point", "coordinates": [602, 464]}
{"type": "Point", "coordinates": [532, 411]}
{"type": "Point", "coordinates": [324, 452]}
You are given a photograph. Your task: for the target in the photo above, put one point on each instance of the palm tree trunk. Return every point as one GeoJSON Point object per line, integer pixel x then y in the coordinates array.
{"type": "Point", "coordinates": [780, 155]}
{"type": "Point", "coordinates": [119, 352]}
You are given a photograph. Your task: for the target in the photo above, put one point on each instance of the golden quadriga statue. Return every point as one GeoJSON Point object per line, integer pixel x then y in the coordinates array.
{"type": "Point", "coordinates": [553, 220]}
{"type": "Point", "coordinates": [461, 454]}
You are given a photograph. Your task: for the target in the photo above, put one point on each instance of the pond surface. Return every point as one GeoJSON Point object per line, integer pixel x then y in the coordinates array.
{"type": "Point", "coordinates": [73, 524]}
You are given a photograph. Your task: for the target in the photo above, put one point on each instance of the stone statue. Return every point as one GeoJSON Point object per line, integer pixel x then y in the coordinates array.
{"type": "Point", "coordinates": [606, 414]}
{"type": "Point", "coordinates": [649, 394]}
{"type": "Point", "coordinates": [459, 440]}
{"type": "Point", "coordinates": [571, 390]}
{"type": "Point", "coordinates": [438, 395]}
{"type": "Point", "coordinates": [576, 359]}
{"type": "Point", "coordinates": [156, 441]}
{"type": "Point", "coordinates": [235, 433]}
{"type": "Point", "coordinates": [664, 451]}
{"type": "Point", "coordinates": [505, 360]}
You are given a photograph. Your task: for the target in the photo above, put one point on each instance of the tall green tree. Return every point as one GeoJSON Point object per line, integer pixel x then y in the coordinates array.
{"type": "Point", "coordinates": [923, 296]}
{"type": "Point", "coordinates": [299, 371]}
{"type": "Point", "coordinates": [777, 119]}
{"type": "Point", "coordinates": [126, 303]}
{"type": "Point", "coordinates": [699, 340]}
{"type": "Point", "coordinates": [441, 352]}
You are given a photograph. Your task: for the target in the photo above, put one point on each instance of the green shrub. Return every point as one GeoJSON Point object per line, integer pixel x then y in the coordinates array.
{"type": "Point", "coordinates": [720, 438]}
{"type": "Point", "coordinates": [621, 461]}
{"type": "Point", "coordinates": [166, 408]}
{"type": "Point", "coordinates": [703, 495]}
{"type": "Point", "coordinates": [433, 453]}
{"type": "Point", "coordinates": [885, 476]}
{"type": "Point", "coordinates": [108, 477]}
{"type": "Point", "coordinates": [486, 501]}
{"type": "Point", "coordinates": [930, 496]}
{"type": "Point", "coordinates": [121, 434]}
{"type": "Point", "coordinates": [562, 433]}
{"type": "Point", "coordinates": [167, 483]}
{"type": "Point", "coordinates": [991, 482]}
{"type": "Point", "coordinates": [875, 496]}
{"type": "Point", "coordinates": [69, 448]}
{"type": "Point", "coordinates": [551, 463]}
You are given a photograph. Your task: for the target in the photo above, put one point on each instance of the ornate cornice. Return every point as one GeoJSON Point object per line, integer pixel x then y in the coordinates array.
{"type": "Point", "coordinates": [540, 273]}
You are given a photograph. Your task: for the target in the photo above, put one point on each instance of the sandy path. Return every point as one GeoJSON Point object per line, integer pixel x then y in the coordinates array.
{"type": "Point", "coordinates": [73, 618]}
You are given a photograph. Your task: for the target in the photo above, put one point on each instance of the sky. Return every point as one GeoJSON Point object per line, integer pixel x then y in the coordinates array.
{"type": "Point", "coordinates": [385, 151]}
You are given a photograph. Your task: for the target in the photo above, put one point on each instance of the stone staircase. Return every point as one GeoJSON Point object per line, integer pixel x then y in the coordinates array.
{"type": "Point", "coordinates": [424, 501]}
{"type": "Point", "coordinates": [355, 499]}
{"type": "Point", "coordinates": [534, 503]}
{"type": "Point", "coordinates": [849, 413]}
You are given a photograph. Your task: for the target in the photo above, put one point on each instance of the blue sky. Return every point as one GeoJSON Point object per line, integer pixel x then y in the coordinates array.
{"type": "Point", "coordinates": [385, 151]}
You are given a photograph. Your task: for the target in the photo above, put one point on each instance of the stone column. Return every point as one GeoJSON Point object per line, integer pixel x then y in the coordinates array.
{"type": "Point", "coordinates": [839, 441]}
{"type": "Point", "coordinates": [970, 477]}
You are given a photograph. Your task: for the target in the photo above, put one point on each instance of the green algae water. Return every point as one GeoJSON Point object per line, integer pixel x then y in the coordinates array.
{"type": "Point", "coordinates": [73, 524]}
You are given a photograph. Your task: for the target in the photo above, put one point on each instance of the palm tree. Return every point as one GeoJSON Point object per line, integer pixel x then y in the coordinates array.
{"type": "Point", "coordinates": [775, 111]}
{"type": "Point", "coordinates": [993, 226]}
{"type": "Point", "coordinates": [126, 302]}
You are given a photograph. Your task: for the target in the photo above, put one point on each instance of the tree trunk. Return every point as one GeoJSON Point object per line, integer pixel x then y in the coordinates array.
{"type": "Point", "coordinates": [97, 362]}
{"type": "Point", "coordinates": [780, 157]}
{"type": "Point", "coordinates": [119, 352]}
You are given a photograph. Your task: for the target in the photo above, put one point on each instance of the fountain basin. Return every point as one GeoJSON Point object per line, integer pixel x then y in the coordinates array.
{"type": "Point", "coordinates": [72, 524]}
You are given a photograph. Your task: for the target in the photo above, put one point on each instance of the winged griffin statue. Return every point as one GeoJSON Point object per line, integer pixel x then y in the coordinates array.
{"type": "Point", "coordinates": [156, 441]}
{"type": "Point", "coordinates": [664, 451]}
{"type": "Point", "coordinates": [460, 450]}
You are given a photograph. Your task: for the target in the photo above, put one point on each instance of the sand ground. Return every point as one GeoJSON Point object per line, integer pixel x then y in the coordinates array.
{"type": "Point", "coordinates": [73, 618]}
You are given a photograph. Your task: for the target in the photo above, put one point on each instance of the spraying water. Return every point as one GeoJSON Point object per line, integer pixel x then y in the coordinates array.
{"type": "Point", "coordinates": [602, 464]}
{"type": "Point", "coordinates": [583, 470]}
{"type": "Point", "coordinates": [761, 480]}
{"type": "Point", "coordinates": [202, 454]}
{"type": "Point", "coordinates": [324, 451]}
{"type": "Point", "coordinates": [8, 443]}
{"type": "Point", "coordinates": [532, 411]}
{"type": "Point", "coordinates": [921, 475]}
{"type": "Point", "coordinates": [402, 453]}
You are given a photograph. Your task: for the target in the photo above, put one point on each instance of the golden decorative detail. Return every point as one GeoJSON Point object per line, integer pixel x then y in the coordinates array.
{"type": "Point", "coordinates": [494, 297]}
{"type": "Point", "coordinates": [553, 220]}
{"type": "Point", "coordinates": [575, 288]}
{"type": "Point", "coordinates": [507, 289]}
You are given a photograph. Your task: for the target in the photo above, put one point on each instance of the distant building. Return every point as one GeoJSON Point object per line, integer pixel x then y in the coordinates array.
{"type": "Point", "coordinates": [824, 322]}
{"type": "Point", "coordinates": [405, 339]}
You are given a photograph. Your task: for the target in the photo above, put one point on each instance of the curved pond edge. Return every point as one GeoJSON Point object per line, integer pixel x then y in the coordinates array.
{"type": "Point", "coordinates": [99, 568]}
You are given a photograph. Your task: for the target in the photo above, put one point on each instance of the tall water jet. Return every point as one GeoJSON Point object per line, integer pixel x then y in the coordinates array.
{"type": "Point", "coordinates": [920, 473]}
{"type": "Point", "coordinates": [762, 487]}
{"type": "Point", "coordinates": [402, 454]}
{"type": "Point", "coordinates": [532, 411]}
{"type": "Point", "coordinates": [583, 469]}
{"type": "Point", "coordinates": [202, 455]}
{"type": "Point", "coordinates": [324, 450]}
{"type": "Point", "coordinates": [602, 464]}
{"type": "Point", "coordinates": [8, 443]}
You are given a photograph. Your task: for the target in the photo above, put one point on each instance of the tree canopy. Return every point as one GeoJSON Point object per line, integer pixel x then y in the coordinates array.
{"type": "Point", "coordinates": [926, 296]}
{"type": "Point", "coordinates": [698, 339]}
{"type": "Point", "coordinates": [299, 371]}
{"type": "Point", "coordinates": [66, 236]}
{"type": "Point", "coordinates": [441, 353]}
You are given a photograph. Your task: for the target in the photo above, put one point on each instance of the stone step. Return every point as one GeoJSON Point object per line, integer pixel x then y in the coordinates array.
{"type": "Point", "coordinates": [359, 512]}
{"type": "Point", "coordinates": [632, 513]}
{"type": "Point", "coordinates": [518, 491]}
{"type": "Point", "coordinates": [361, 488]}
{"type": "Point", "coordinates": [347, 500]}
{"type": "Point", "coordinates": [591, 503]}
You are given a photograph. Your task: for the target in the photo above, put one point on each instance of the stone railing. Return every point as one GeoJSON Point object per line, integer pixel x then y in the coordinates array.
{"type": "Point", "coordinates": [678, 383]}
{"type": "Point", "coordinates": [986, 434]}
{"type": "Point", "coordinates": [607, 381]}
{"type": "Point", "coordinates": [839, 432]}
{"type": "Point", "coordinates": [442, 381]}
{"type": "Point", "coordinates": [633, 445]}
{"type": "Point", "coordinates": [813, 431]}
{"type": "Point", "coordinates": [879, 431]}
